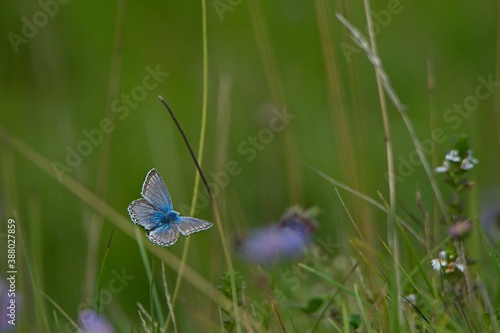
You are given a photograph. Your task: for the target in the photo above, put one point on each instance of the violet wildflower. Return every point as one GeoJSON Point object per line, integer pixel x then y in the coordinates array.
{"type": "Point", "coordinates": [92, 322]}
{"type": "Point", "coordinates": [490, 220]}
{"type": "Point", "coordinates": [287, 239]}
{"type": "Point", "coordinates": [460, 228]}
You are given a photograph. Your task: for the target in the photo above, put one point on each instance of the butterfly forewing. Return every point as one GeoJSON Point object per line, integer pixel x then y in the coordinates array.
{"type": "Point", "coordinates": [143, 213]}
{"type": "Point", "coordinates": [188, 225]}
{"type": "Point", "coordinates": [165, 235]}
{"type": "Point", "coordinates": [155, 191]}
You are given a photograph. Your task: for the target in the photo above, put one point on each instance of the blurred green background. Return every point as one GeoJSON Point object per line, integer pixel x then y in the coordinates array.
{"type": "Point", "coordinates": [262, 56]}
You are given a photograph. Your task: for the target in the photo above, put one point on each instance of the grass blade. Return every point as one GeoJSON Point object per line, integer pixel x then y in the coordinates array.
{"type": "Point", "coordinates": [101, 274]}
{"type": "Point", "coordinates": [362, 309]}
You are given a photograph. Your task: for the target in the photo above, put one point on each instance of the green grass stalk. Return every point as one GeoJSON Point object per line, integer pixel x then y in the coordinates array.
{"type": "Point", "coordinates": [199, 174]}
{"type": "Point", "coordinates": [58, 307]}
{"type": "Point", "coordinates": [395, 287]}
{"type": "Point", "coordinates": [96, 223]}
{"type": "Point", "coordinates": [101, 273]}
{"type": "Point", "coordinates": [201, 146]}
{"type": "Point", "coordinates": [42, 313]}
{"type": "Point", "coordinates": [153, 293]}
{"type": "Point", "coordinates": [364, 315]}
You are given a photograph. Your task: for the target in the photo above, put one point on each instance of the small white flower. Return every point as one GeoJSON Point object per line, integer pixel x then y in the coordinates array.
{"type": "Point", "coordinates": [453, 156]}
{"type": "Point", "coordinates": [412, 299]}
{"type": "Point", "coordinates": [436, 265]}
{"type": "Point", "coordinates": [444, 168]}
{"type": "Point", "coordinates": [459, 265]}
{"type": "Point", "coordinates": [469, 162]}
{"type": "Point", "coordinates": [469, 155]}
{"type": "Point", "coordinates": [440, 262]}
{"type": "Point", "coordinates": [466, 164]}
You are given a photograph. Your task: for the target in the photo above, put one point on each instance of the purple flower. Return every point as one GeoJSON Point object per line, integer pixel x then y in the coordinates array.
{"type": "Point", "coordinates": [460, 228]}
{"type": "Point", "coordinates": [490, 220]}
{"type": "Point", "coordinates": [92, 322]}
{"type": "Point", "coordinates": [288, 238]}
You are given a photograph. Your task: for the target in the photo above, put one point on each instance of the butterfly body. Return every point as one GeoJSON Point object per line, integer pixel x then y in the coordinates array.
{"type": "Point", "coordinates": [166, 217]}
{"type": "Point", "coordinates": [154, 212]}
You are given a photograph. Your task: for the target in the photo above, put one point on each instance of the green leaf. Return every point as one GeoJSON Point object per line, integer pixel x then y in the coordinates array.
{"type": "Point", "coordinates": [355, 321]}
{"type": "Point", "coordinates": [313, 305]}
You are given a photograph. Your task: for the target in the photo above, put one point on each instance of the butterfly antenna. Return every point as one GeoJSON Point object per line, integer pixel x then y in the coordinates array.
{"type": "Point", "coordinates": [191, 152]}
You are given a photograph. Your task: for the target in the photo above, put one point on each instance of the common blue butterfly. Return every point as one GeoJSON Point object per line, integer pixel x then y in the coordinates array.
{"type": "Point", "coordinates": [154, 212]}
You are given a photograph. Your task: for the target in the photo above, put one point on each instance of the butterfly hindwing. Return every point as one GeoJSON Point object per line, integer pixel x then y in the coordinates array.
{"type": "Point", "coordinates": [155, 191]}
{"type": "Point", "coordinates": [164, 235]}
{"type": "Point", "coordinates": [188, 225]}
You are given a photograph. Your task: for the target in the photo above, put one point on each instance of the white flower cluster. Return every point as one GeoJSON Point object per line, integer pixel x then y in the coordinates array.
{"type": "Point", "coordinates": [441, 264]}
{"type": "Point", "coordinates": [453, 156]}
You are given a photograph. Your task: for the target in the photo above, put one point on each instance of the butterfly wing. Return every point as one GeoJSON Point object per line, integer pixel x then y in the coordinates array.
{"type": "Point", "coordinates": [188, 225]}
{"type": "Point", "coordinates": [143, 213]}
{"type": "Point", "coordinates": [155, 191]}
{"type": "Point", "coordinates": [164, 235]}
